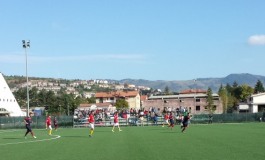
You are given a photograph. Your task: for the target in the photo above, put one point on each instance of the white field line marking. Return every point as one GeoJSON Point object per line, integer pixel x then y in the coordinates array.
{"type": "Point", "coordinates": [7, 131]}
{"type": "Point", "coordinates": [32, 141]}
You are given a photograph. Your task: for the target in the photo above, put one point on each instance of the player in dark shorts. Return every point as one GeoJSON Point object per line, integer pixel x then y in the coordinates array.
{"type": "Point", "coordinates": [185, 122]}
{"type": "Point", "coordinates": [55, 123]}
{"type": "Point", "coordinates": [28, 121]}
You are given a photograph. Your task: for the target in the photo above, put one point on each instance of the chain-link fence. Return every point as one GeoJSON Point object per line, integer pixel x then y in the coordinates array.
{"type": "Point", "coordinates": [229, 118]}
{"type": "Point", "coordinates": [68, 121]}
{"type": "Point", "coordinates": [38, 122]}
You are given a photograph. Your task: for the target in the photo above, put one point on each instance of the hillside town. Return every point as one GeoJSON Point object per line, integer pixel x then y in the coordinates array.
{"type": "Point", "coordinates": [106, 93]}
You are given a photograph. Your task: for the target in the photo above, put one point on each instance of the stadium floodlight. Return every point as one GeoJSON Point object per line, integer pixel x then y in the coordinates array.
{"type": "Point", "coordinates": [26, 44]}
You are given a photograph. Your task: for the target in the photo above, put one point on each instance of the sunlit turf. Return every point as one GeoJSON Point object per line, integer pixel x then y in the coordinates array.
{"type": "Point", "coordinates": [205, 142]}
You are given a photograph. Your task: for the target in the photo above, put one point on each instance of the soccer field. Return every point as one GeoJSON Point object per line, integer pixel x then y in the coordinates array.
{"type": "Point", "coordinates": [200, 142]}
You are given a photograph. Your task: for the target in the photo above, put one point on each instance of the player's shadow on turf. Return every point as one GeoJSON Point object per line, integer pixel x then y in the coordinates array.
{"type": "Point", "coordinates": [160, 128]}
{"type": "Point", "coordinates": [175, 132]}
{"type": "Point", "coordinates": [11, 138]}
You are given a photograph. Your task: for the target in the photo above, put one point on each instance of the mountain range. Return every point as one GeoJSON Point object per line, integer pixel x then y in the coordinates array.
{"type": "Point", "coordinates": [200, 83]}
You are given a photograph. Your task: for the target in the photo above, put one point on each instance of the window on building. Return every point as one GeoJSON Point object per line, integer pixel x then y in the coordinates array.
{"type": "Point", "coordinates": [214, 107]}
{"type": "Point", "coordinates": [198, 108]}
{"type": "Point", "coordinates": [198, 100]}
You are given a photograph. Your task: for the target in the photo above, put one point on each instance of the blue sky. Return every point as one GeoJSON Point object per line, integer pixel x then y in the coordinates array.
{"type": "Point", "coordinates": [139, 39]}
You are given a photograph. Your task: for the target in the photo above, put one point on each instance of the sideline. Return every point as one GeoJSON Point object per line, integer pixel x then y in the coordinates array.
{"type": "Point", "coordinates": [54, 137]}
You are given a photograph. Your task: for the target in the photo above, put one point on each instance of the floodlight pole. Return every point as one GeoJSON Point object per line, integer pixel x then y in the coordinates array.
{"type": "Point", "coordinates": [195, 95]}
{"type": "Point", "coordinates": [26, 44]}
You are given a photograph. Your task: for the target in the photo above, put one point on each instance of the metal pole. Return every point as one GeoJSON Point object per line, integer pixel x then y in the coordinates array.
{"type": "Point", "coordinates": [195, 96]}
{"type": "Point", "coordinates": [27, 82]}
{"type": "Point", "coordinates": [27, 45]}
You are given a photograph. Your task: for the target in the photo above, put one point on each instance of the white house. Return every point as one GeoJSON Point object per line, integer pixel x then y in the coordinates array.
{"type": "Point", "coordinates": [257, 103]}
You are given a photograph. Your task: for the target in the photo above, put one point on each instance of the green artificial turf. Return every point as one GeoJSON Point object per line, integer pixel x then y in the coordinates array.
{"type": "Point", "coordinates": [200, 142]}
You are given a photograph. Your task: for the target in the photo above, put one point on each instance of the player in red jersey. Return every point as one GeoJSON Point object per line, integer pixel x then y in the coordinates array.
{"type": "Point", "coordinates": [166, 118]}
{"type": "Point", "coordinates": [49, 125]}
{"type": "Point", "coordinates": [91, 121]}
{"type": "Point", "coordinates": [116, 122]}
{"type": "Point", "coordinates": [28, 121]}
{"type": "Point", "coordinates": [171, 120]}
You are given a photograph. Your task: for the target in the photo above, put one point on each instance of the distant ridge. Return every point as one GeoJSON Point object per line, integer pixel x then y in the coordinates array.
{"type": "Point", "coordinates": [201, 83]}
{"type": "Point", "coordinates": [179, 85]}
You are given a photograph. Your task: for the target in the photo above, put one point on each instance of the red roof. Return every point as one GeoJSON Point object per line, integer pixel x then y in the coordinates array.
{"type": "Point", "coordinates": [102, 105]}
{"type": "Point", "coordinates": [143, 97]}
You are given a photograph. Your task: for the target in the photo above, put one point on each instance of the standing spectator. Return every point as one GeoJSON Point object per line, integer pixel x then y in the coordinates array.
{"type": "Point", "coordinates": [28, 121]}
{"type": "Point", "coordinates": [49, 125]}
{"type": "Point", "coordinates": [91, 121]}
{"type": "Point", "coordinates": [210, 119]}
{"type": "Point", "coordinates": [141, 117]}
{"type": "Point", "coordinates": [55, 123]}
{"type": "Point", "coordinates": [155, 119]}
{"type": "Point", "coordinates": [116, 122]}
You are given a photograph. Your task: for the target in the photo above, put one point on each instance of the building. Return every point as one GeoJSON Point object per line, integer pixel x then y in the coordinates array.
{"type": "Point", "coordinates": [194, 101]}
{"type": "Point", "coordinates": [132, 97]}
{"type": "Point", "coordinates": [257, 103]}
{"type": "Point", "coordinates": [8, 103]}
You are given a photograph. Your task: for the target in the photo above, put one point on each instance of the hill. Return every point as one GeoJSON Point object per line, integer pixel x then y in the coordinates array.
{"type": "Point", "coordinates": [174, 86]}
{"type": "Point", "coordinates": [200, 83]}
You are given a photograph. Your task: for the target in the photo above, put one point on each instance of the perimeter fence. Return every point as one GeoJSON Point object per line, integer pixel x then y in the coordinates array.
{"type": "Point", "coordinates": [69, 121]}
{"type": "Point", "coordinates": [38, 122]}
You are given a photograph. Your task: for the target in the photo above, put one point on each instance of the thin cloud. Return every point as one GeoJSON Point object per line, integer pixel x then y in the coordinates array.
{"type": "Point", "coordinates": [15, 58]}
{"type": "Point", "coordinates": [12, 58]}
{"type": "Point", "coordinates": [256, 40]}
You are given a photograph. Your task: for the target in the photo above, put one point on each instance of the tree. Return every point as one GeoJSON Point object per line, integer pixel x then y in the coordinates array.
{"type": "Point", "coordinates": [224, 97]}
{"type": "Point", "coordinates": [121, 104]}
{"type": "Point", "coordinates": [246, 91]}
{"type": "Point", "coordinates": [126, 85]}
{"type": "Point", "coordinates": [210, 101]}
{"type": "Point", "coordinates": [259, 87]}
{"type": "Point", "coordinates": [91, 100]}
{"type": "Point", "coordinates": [21, 97]}
{"type": "Point", "coordinates": [166, 90]}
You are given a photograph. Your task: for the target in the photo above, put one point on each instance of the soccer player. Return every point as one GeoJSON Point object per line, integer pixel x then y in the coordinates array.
{"type": "Point", "coordinates": [55, 123]}
{"type": "Point", "coordinates": [171, 120]}
{"type": "Point", "coordinates": [166, 118]}
{"type": "Point", "coordinates": [49, 125]}
{"type": "Point", "coordinates": [185, 122]}
{"type": "Point", "coordinates": [28, 121]}
{"type": "Point", "coordinates": [116, 122]}
{"type": "Point", "coordinates": [91, 121]}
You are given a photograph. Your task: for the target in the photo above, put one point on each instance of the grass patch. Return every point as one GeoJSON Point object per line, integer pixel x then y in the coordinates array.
{"type": "Point", "coordinates": [213, 142]}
